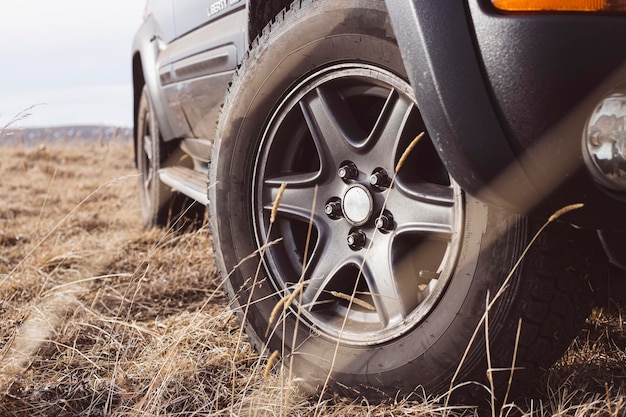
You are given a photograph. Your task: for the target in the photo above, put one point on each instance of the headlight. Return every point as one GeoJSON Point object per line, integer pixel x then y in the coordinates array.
{"type": "Point", "coordinates": [604, 142]}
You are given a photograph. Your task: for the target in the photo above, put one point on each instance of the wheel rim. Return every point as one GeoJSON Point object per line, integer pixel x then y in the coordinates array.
{"type": "Point", "coordinates": [335, 141]}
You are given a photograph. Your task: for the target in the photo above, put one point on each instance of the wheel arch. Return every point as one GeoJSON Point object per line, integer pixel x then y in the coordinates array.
{"type": "Point", "coordinates": [436, 42]}
{"type": "Point", "coordinates": [138, 84]}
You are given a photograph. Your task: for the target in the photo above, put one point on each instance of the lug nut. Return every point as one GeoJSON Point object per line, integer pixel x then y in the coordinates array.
{"type": "Point", "coordinates": [333, 209]}
{"type": "Point", "coordinates": [356, 240]}
{"type": "Point", "coordinates": [385, 222]}
{"type": "Point", "coordinates": [380, 179]}
{"type": "Point", "coordinates": [348, 171]}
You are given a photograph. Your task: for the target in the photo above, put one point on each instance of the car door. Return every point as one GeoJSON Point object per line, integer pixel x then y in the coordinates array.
{"type": "Point", "coordinates": [191, 14]}
{"type": "Point", "coordinates": [211, 37]}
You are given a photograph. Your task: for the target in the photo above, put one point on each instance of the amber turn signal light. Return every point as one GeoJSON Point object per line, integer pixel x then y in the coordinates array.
{"type": "Point", "coordinates": [560, 5]}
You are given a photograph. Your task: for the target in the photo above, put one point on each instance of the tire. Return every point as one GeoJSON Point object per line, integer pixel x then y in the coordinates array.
{"type": "Point", "coordinates": [160, 206]}
{"type": "Point", "coordinates": [322, 104]}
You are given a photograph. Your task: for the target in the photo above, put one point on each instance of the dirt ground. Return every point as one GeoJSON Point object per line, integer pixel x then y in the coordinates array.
{"type": "Point", "coordinates": [99, 317]}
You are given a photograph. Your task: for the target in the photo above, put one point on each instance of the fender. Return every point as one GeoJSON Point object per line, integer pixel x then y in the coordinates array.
{"type": "Point", "coordinates": [148, 53]}
{"type": "Point", "coordinates": [438, 50]}
{"type": "Point", "coordinates": [505, 99]}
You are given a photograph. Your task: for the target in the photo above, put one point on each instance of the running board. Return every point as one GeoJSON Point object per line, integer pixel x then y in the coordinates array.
{"type": "Point", "coordinates": [186, 181]}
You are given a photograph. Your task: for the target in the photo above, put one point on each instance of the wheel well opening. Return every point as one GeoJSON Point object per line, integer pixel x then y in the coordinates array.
{"type": "Point", "coordinates": [138, 83]}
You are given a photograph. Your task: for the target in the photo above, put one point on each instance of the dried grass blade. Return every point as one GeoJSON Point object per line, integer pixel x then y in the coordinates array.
{"type": "Point", "coordinates": [565, 210]}
{"type": "Point", "coordinates": [281, 191]}
{"type": "Point", "coordinates": [270, 363]}
{"type": "Point", "coordinates": [407, 151]}
{"type": "Point", "coordinates": [354, 300]}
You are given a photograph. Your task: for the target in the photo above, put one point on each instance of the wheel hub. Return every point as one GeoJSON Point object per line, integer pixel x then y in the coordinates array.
{"type": "Point", "coordinates": [358, 205]}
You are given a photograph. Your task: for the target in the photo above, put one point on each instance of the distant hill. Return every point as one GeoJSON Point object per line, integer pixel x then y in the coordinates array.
{"type": "Point", "coordinates": [37, 135]}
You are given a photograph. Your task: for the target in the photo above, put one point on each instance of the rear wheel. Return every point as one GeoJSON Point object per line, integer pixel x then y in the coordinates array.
{"type": "Point", "coordinates": [392, 267]}
{"type": "Point", "coordinates": [159, 204]}
{"type": "Point", "coordinates": [154, 196]}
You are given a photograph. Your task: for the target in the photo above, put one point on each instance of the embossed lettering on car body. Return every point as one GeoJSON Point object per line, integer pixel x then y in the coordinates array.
{"type": "Point", "coordinates": [217, 7]}
{"type": "Point", "coordinates": [220, 5]}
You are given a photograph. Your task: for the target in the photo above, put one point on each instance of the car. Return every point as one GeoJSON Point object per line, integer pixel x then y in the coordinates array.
{"type": "Point", "coordinates": [403, 196]}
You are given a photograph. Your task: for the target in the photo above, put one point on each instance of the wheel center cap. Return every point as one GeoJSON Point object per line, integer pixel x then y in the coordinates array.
{"type": "Point", "coordinates": [358, 205]}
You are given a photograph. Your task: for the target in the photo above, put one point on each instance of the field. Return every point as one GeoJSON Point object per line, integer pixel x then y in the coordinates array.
{"type": "Point", "coordinates": [99, 317]}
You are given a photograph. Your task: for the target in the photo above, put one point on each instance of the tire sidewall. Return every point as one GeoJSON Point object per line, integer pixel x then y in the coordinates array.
{"type": "Point", "coordinates": [147, 195]}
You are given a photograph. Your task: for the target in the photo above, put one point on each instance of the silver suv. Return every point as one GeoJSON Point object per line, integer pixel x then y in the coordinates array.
{"type": "Point", "coordinates": [375, 173]}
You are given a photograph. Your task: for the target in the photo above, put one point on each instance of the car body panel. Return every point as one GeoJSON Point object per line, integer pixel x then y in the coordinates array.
{"type": "Point", "coordinates": [547, 73]}
{"type": "Point", "coordinates": [147, 53]}
{"type": "Point", "coordinates": [187, 76]}
{"type": "Point", "coordinates": [506, 97]}
{"type": "Point", "coordinates": [161, 12]}
{"type": "Point", "coordinates": [438, 50]}
{"type": "Point", "coordinates": [202, 65]}
{"type": "Point", "coordinates": [192, 14]}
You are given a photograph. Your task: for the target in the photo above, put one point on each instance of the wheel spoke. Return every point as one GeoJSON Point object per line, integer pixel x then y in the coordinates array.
{"type": "Point", "coordinates": [332, 126]}
{"type": "Point", "coordinates": [147, 149]}
{"type": "Point", "coordinates": [147, 146]}
{"type": "Point", "coordinates": [147, 180]}
{"type": "Point", "coordinates": [389, 127]}
{"type": "Point", "coordinates": [296, 202]}
{"type": "Point", "coordinates": [389, 294]}
{"type": "Point", "coordinates": [330, 255]}
{"type": "Point", "coordinates": [432, 210]}
{"type": "Point", "coordinates": [433, 193]}
{"type": "Point", "coordinates": [293, 180]}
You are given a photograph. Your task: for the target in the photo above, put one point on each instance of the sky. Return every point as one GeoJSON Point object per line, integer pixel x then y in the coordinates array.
{"type": "Point", "coordinates": [70, 59]}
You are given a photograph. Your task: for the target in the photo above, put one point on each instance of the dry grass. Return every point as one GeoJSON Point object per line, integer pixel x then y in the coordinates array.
{"type": "Point", "coordinates": [100, 317]}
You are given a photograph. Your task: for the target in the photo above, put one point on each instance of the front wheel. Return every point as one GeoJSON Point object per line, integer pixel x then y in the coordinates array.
{"type": "Point", "coordinates": [390, 263]}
